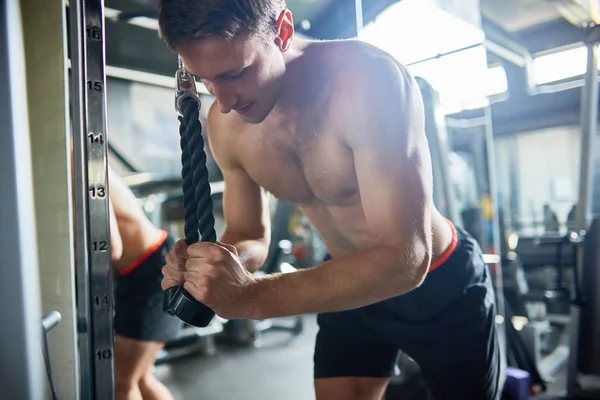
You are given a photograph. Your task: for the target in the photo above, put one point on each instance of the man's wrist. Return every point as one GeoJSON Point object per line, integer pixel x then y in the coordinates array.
{"type": "Point", "coordinates": [256, 307]}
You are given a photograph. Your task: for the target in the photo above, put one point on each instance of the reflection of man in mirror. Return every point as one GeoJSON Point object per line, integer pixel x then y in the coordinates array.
{"type": "Point", "coordinates": [138, 250]}
{"type": "Point", "coordinates": [571, 218]}
{"type": "Point", "coordinates": [550, 220]}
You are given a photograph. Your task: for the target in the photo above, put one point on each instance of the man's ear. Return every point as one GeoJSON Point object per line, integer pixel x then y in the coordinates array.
{"type": "Point", "coordinates": [285, 30]}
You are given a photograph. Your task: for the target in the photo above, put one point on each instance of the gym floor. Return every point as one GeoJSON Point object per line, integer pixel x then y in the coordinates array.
{"type": "Point", "coordinates": [280, 369]}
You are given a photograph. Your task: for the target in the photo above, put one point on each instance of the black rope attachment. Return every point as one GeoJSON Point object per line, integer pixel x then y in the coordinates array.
{"type": "Point", "coordinates": [197, 200]}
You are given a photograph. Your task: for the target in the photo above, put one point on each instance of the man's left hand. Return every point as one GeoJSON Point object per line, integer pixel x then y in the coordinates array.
{"type": "Point", "coordinates": [215, 277]}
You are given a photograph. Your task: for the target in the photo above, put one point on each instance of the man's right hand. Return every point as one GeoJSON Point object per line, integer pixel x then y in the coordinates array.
{"type": "Point", "coordinates": [173, 272]}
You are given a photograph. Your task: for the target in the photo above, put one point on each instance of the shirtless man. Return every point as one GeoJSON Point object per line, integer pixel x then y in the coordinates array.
{"type": "Point", "coordinates": [138, 251]}
{"type": "Point", "coordinates": [336, 127]}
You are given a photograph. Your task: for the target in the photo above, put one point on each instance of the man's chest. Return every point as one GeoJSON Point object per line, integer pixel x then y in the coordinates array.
{"type": "Point", "coordinates": [314, 168]}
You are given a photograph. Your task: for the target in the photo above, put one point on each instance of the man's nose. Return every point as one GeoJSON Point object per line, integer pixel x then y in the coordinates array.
{"type": "Point", "coordinates": [225, 97]}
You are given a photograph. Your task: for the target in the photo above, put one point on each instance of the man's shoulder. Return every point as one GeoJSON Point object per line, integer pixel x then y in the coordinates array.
{"type": "Point", "coordinates": [372, 87]}
{"type": "Point", "coordinates": [352, 67]}
{"type": "Point", "coordinates": [349, 54]}
{"type": "Point", "coordinates": [370, 63]}
{"type": "Point", "coordinates": [367, 69]}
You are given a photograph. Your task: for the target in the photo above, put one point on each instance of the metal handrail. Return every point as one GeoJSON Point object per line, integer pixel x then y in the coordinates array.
{"type": "Point", "coordinates": [146, 183]}
{"type": "Point", "coordinates": [123, 159]}
{"type": "Point", "coordinates": [50, 320]}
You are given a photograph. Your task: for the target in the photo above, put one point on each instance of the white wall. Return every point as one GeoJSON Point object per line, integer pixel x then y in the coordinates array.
{"type": "Point", "coordinates": [547, 166]}
{"type": "Point", "coordinates": [548, 170]}
{"type": "Point", "coordinates": [45, 52]}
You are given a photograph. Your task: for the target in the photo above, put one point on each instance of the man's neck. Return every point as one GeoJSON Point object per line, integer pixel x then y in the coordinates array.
{"type": "Point", "coordinates": [297, 83]}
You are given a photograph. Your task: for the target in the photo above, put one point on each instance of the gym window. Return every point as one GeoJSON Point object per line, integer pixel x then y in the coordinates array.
{"type": "Point", "coordinates": [453, 59]}
{"type": "Point", "coordinates": [560, 65]}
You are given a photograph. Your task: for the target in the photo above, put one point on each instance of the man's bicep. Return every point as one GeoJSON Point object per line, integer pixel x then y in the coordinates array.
{"type": "Point", "coordinates": [244, 203]}
{"type": "Point", "coordinates": [245, 206]}
{"type": "Point", "coordinates": [395, 194]}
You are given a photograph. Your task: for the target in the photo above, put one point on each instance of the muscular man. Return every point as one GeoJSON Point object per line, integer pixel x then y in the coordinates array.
{"type": "Point", "coordinates": [138, 251]}
{"type": "Point", "coordinates": [336, 127]}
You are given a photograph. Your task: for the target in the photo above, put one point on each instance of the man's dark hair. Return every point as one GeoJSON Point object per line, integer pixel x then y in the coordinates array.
{"type": "Point", "coordinates": [183, 21]}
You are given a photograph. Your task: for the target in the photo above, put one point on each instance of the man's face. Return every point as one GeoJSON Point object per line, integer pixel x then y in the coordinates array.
{"type": "Point", "coordinates": [244, 75]}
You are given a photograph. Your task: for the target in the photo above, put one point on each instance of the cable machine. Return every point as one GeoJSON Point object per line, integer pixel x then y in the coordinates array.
{"type": "Point", "coordinates": [90, 188]}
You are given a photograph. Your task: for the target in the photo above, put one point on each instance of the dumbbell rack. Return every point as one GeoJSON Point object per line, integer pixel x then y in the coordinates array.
{"type": "Point", "coordinates": [90, 188]}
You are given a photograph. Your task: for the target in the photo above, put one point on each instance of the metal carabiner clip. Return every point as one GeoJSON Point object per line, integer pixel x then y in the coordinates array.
{"type": "Point", "coordinates": [185, 87]}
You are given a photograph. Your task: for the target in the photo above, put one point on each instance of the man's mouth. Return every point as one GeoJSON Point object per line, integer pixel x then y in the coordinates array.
{"type": "Point", "coordinates": [244, 109]}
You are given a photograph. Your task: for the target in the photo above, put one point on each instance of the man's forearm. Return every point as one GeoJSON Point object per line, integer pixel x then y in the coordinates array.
{"type": "Point", "coordinates": [344, 283]}
{"type": "Point", "coordinates": [252, 252]}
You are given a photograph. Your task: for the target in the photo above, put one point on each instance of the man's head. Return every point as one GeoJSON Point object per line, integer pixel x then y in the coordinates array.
{"type": "Point", "coordinates": [234, 46]}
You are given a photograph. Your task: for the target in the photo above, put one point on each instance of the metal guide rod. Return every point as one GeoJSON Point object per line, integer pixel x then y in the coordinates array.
{"type": "Point", "coordinates": [497, 237]}
{"type": "Point", "coordinates": [495, 198]}
{"type": "Point", "coordinates": [94, 279]}
{"type": "Point", "coordinates": [589, 118]}
{"type": "Point", "coordinates": [437, 137]}
{"type": "Point", "coordinates": [358, 12]}
{"type": "Point", "coordinates": [79, 191]}
{"type": "Point", "coordinates": [101, 293]}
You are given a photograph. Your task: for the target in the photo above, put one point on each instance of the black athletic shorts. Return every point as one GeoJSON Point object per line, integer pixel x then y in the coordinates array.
{"type": "Point", "coordinates": [447, 325]}
{"type": "Point", "coordinates": [139, 298]}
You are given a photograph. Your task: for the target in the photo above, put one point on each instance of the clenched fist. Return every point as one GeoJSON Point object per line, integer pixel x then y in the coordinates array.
{"type": "Point", "coordinates": [213, 274]}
